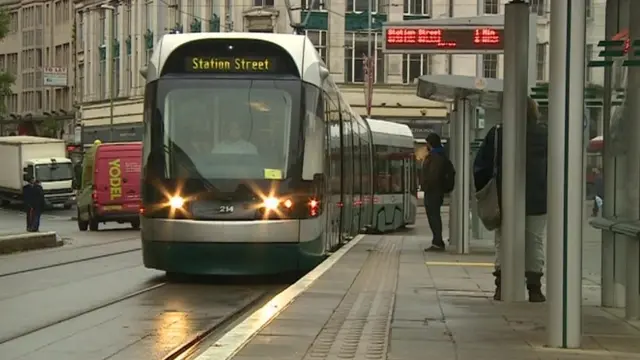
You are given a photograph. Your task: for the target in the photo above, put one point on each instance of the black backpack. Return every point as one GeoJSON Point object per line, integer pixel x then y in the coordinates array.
{"type": "Point", "coordinates": [449, 176]}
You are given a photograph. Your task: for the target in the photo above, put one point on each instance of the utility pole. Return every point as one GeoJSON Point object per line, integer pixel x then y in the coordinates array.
{"type": "Point", "coordinates": [228, 18]}
{"type": "Point", "coordinates": [299, 28]}
{"type": "Point", "coordinates": [369, 30]}
{"type": "Point", "coordinates": [369, 64]}
{"type": "Point", "coordinates": [112, 58]}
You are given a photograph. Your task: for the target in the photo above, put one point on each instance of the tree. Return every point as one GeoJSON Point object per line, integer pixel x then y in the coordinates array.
{"type": "Point", "coordinates": [6, 79]}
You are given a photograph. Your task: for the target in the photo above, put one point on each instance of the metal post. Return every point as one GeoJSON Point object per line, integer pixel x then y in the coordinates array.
{"type": "Point", "coordinates": [612, 291]}
{"type": "Point", "coordinates": [619, 183]}
{"type": "Point", "coordinates": [462, 161]}
{"type": "Point", "coordinates": [632, 128]}
{"type": "Point", "coordinates": [369, 30]}
{"type": "Point", "coordinates": [533, 51]}
{"type": "Point", "coordinates": [453, 151]}
{"type": "Point", "coordinates": [514, 114]}
{"type": "Point", "coordinates": [565, 173]}
{"type": "Point", "coordinates": [113, 73]}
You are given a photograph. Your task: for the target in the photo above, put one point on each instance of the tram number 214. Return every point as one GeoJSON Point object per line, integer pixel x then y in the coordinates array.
{"type": "Point", "coordinates": [225, 209]}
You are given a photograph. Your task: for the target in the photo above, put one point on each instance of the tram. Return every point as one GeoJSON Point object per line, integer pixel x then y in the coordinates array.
{"type": "Point", "coordinates": [253, 162]}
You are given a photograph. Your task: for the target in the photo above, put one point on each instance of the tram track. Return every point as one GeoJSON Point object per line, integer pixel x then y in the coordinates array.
{"type": "Point", "coordinates": [76, 260]}
{"type": "Point", "coordinates": [192, 346]}
{"type": "Point", "coordinates": [81, 313]}
{"type": "Point", "coordinates": [164, 319]}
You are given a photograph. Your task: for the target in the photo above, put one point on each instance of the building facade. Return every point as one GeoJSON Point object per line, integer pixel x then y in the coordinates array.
{"type": "Point", "coordinates": [114, 40]}
{"type": "Point", "coordinates": [38, 51]}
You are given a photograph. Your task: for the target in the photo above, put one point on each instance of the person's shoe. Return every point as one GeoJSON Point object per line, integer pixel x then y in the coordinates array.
{"type": "Point", "coordinates": [497, 296]}
{"type": "Point", "coordinates": [534, 287]}
{"type": "Point", "coordinates": [435, 248]}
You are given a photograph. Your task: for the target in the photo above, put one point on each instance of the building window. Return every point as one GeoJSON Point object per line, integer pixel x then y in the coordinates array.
{"type": "Point", "coordinates": [102, 80]}
{"type": "Point", "coordinates": [538, 7]}
{"type": "Point", "coordinates": [415, 65]}
{"type": "Point", "coordinates": [541, 61]}
{"type": "Point", "coordinates": [80, 84]}
{"type": "Point", "coordinates": [115, 80]}
{"type": "Point", "coordinates": [103, 26]}
{"type": "Point", "coordinates": [269, 3]}
{"type": "Point", "coordinates": [148, 8]}
{"type": "Point", "coordinates": [80, 32]}
{"type": "Point", "coordinates": [355, 53]}
{"type": "Point", "coordinates": [115, 14]}
{"type": "Point", "coordinates": [315, 5]}
{"type": "Point", "coordinates": [490, 66]}
{"type": "Point", "coordinates": [417, 7]}
{"type": "Point", "coordinates": [491, 6]}
{"type": "Point", "coordinates": [361, 5]}
{"type": "Point", "coordinates": [319, 40]}
{"type": "Point", "coordinates": [588, 53]}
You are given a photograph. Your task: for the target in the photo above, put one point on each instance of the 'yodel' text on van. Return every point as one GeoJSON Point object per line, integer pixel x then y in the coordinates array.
{"type": "Point", "coordinates": [115, 179]}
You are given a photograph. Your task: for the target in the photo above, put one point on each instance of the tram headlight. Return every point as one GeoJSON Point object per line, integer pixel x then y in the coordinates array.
{"type": "Point", "coordinates": [271, 203]}
{"type": "Point", "coordinates": [176, 202]}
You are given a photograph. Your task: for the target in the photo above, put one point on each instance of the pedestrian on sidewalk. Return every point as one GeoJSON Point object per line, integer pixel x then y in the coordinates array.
{"type": "Point", "coordinates": [28, 197]}
{"type": "Point", "coordinates": [38, 205]}
{"type": "Point", "coordinates": [438, 179]}
{"type": "Point", "coordinates": [535, 193]}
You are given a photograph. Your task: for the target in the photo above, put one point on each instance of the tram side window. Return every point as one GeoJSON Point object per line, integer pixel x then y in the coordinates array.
{"type": "Point", "coordinates": [382, 174]}
{"type": "Point", "coordinates": [413, 163]}
{"type": "Point", "coordinates": [357, 162]}
{"type": "Point", "coordinates": [315, 135]}
{"type": "Point", "coordinates": [333, 117]}
{"type": "Point", "coordinates": [396, 169]}
{"type": "Point", "coordinates": [366, 166]}
{"type": "Point", "coordinates": [347, 143]}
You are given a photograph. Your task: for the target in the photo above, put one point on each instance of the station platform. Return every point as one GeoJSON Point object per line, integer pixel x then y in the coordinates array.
{"type": "Point", "coordinates": [383, 297]}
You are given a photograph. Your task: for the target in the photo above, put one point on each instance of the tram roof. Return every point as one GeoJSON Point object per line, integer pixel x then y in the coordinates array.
{"type": "Point", "coordinates": [484, 20]}
{"type": "Point", "coordinates": [299, 47]}
{"type": "Point", "coordinates": [446, 88]}
{"type": "Point", "coordinates": [391, 133]}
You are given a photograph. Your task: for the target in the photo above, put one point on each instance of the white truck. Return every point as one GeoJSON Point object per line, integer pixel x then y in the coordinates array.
{"type": "Point", "coordinates": [44, 159]}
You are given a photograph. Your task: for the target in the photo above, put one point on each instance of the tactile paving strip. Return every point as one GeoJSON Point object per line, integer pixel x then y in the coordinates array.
{"type": "Point", "coordinates": [359, 327]}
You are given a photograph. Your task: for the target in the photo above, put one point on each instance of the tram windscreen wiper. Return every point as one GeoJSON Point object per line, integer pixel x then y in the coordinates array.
{"type": "Point", "coordinates": [189, 165]}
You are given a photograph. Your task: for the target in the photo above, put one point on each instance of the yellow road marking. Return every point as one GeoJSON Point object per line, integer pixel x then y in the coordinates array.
{"type": "Point", "coordinates": [455, 263]}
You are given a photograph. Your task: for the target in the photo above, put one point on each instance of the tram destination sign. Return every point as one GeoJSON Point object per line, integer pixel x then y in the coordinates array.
{"type": "Point", "coordinates": [439, 39]}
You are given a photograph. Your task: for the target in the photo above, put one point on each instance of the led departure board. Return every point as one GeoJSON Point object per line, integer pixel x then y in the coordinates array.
{"type": "Point", "coordinates": [432, 39]}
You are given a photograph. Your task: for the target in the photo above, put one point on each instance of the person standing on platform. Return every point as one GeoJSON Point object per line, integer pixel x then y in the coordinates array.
{"type": "Point", "coordinates": [535, 193]}
{"type": "Point", "coordinates": [598, 185]}
{"type": "Point", "coordinates": [28, 196]}
{"type": "Point", "coordinates": [438, 179]}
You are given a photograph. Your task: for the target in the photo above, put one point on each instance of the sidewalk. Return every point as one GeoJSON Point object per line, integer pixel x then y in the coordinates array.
{"type": "Point", "coordinates": [387, 299]}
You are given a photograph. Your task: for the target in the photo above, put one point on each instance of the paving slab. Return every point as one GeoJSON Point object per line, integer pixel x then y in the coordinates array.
{"type": "Point", "coordinates": [17, 242]}
{"type": "Point", "coordinates": [388, 299]}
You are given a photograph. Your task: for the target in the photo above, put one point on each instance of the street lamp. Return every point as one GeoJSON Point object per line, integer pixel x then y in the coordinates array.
{"type": "Point", "coordinates": [112, 60]}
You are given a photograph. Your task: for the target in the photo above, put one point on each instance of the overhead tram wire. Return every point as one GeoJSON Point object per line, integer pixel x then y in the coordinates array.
{"type": "Point", "coordinates": [296, 26]}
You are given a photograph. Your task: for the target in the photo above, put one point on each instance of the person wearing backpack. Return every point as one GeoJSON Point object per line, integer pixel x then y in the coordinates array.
{"type": "Point", "coordinates": [535, 194]}
{"type": "Point", "coordinates": [438, 179]}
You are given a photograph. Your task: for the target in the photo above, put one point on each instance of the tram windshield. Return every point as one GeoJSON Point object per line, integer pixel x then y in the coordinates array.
{"type": "Point", "coordinates": [224, 128]}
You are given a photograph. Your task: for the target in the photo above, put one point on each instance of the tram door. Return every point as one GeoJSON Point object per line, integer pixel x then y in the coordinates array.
{"type": "Point", "coordinates": [406, 187]}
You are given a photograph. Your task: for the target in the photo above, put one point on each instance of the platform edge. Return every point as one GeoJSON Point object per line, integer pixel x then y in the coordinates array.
{"type": "Point", "coordinates": [236, 339]}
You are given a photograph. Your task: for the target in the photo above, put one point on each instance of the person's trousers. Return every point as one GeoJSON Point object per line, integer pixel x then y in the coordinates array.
{"type": "Point", "coordinates": [29, 212]}
{"type": "Point", "coordinates": [35, 224]}
{"type": "Point", "coordinates": [432, 206]}
{"type": "Point", "coordinates": [534, 240]}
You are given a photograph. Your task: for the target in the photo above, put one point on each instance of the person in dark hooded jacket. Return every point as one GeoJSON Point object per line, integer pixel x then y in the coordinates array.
{"type": "Point", "coordinates": [434, 169]}
{"type": "Point", "coordinates": [28, 197]}
{"type": "Point", "coordinates": [535, 193]}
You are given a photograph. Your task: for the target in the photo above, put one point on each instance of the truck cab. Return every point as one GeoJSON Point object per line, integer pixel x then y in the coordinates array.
{"type": "Point", "coordinates": [56, 178]}
{"type": "Point", "coordinates": [110, 186]}
{"type": "Point", "coordinates": [44, 159]}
